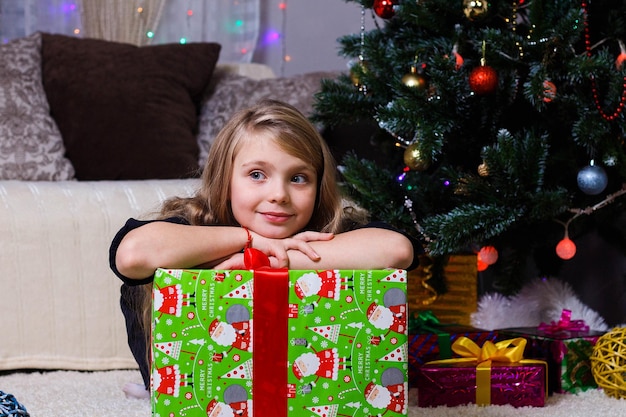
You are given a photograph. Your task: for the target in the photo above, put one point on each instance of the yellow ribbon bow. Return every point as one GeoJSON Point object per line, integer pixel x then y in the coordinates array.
{"type": "Point", "coordinates": [506, 351]}
{"type": "Point", "coordinates": [511, 350]}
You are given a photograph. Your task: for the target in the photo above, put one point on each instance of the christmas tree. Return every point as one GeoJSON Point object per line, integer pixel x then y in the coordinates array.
{"type": "Point", "coordinates": [500, 125]}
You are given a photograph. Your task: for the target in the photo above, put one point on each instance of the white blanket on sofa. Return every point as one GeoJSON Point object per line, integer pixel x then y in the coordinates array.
{"type": "Point", "coordinates": [60, 301]}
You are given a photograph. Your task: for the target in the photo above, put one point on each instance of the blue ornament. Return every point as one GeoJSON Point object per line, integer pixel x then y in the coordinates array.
{"type": "Point", "coordinates": [10, 407]}
{"type": "Point", "coordinates": [592, 179]}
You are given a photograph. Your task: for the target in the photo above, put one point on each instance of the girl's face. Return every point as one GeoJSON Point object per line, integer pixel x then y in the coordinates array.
{"type": "Point", "coordinates": [271, 192]}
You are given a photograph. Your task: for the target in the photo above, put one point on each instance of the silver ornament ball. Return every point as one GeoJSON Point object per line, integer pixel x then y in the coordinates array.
{"type": "Point", "coordinates": [592, 180]}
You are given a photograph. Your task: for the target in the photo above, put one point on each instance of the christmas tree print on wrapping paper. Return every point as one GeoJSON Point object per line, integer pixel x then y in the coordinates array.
{"type": "Point", "coordinates": [355, 367]}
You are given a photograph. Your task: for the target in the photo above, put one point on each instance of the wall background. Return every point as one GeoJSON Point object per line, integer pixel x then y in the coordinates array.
{"type": "Point", "coordinates": [310, 29]}
{"type": "Point", "coordinates": [305, 30]}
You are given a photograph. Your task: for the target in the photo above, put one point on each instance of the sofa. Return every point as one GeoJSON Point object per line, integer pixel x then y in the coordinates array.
{"type": "Point", "coordinates": [91, 133]}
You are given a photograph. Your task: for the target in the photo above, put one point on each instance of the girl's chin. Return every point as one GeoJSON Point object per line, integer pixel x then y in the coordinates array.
{"type": "Point", "coordinates": [275, 232]}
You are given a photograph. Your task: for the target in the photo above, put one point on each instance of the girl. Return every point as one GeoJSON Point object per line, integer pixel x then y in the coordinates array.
{"type": "Point", "coordinates": [269, 182]}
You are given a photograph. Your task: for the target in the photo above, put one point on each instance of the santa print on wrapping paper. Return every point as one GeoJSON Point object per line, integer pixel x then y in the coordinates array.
{"type": "Point", "coordinates": [236, 403]}
{"type": "Point", "coordinates": [392, 315]}
{"type": "Point", "coordinates": [235, 332]}
{"type": "Point", "coordinates": [390, 394]}
{"type": "Point", "coordinates": [171, 299]}
{"type": "Point", "coordinates": [323, 284]}
{"type": "Point", "coordinates": [323, 364]}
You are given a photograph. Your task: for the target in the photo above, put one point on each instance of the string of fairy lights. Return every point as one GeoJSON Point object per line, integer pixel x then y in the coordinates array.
{"type": "Point", "coordinates": [272, 37]}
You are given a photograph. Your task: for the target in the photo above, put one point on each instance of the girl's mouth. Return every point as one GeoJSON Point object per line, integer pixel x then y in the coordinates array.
{"type": "Point", "coordinates": [276, 217]}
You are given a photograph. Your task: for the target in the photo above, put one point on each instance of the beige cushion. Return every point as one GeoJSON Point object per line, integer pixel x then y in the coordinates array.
{"type": "Point", "coordinates": [31, 147]}
{"type": "Point", "coordinates": [60, 306]}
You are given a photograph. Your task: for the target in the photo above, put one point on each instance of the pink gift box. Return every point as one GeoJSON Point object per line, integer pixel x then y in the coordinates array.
{"type": "Point", "coordinates": [516, 384]}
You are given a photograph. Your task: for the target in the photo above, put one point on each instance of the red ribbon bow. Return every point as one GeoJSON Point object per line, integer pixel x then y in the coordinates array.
{"type": "Point", "coordinates": [255, 259]}
{"type": "Point", "coordinates": [565, 324]}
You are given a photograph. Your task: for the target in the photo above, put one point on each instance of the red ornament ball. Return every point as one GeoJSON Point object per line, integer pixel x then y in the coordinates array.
{"type": "Point", "coordinates": [385, 9]}
{"type": "Point", "coordinates": [619, 61]}
{"type": "Point", "coordinates": [566, 249]}
{"type": "Point", "coordinates": [481, 266]}
{"type": "Point", "coordinates": [488, 255]}
{"type": "Point", "coordinates": [483, 80]}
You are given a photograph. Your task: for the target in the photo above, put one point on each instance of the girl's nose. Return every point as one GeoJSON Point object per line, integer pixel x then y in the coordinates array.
{"type": "Point", "coordinates": [279, 193]}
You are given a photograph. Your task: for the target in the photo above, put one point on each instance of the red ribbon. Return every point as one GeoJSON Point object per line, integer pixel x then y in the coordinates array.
{"type": "Point", "coordinates": [565, 324]}
{"type": "Point", "coordinates": [269, 337]}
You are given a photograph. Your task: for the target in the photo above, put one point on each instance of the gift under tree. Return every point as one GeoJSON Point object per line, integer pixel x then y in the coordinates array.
{"type": "Point", "coordinates": [499, 126]}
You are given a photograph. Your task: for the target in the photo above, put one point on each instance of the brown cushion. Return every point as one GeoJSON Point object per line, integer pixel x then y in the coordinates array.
{"type": "Point", "coordinates": [127, 112]}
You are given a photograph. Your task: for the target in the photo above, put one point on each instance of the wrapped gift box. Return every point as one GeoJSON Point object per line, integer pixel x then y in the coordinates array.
{"type": "Point", "coordinates": [322, 343]}
{"type": "Point", "coordinates": [504, 379]}
{"type": "Point", "coordinates": [431, 340]}
{"type": "Point", "coordinates": [460, 299]}
{"type": "Point", "coordinates": [567, 353]}
{"type": "Point", "coordinates": [451, 385]}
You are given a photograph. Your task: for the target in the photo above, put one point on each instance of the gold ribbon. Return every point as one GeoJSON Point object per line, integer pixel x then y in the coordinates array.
{"type": "Point", "coordinates": [506, 351]}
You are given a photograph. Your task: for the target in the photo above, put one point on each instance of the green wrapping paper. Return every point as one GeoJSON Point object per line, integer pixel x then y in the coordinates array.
{"type": "Point", "coordinates": [216, 347]}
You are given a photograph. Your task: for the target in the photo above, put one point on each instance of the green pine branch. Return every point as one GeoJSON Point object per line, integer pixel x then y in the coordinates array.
{"type": "Point", "coordinates": [533, 133]}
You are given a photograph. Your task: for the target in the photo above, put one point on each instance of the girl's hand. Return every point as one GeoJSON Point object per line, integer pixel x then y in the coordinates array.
{"type": "Point", "coordinates": [276, 249]}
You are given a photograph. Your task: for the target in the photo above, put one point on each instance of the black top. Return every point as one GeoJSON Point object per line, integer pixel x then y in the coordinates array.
{"type": "Point", "coordinates": [132, 224]}
{"type": "Point", "coordinates": [131, 292]}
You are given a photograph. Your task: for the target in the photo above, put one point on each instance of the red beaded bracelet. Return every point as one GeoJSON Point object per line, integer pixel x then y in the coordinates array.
{"type": "Point", "coordinates": [249, 242]}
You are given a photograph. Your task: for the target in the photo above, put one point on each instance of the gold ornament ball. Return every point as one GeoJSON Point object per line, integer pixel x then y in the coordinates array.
{"type": "Point", "coordinates": [414, 159]}
{"type": "Point", "coordinates": [475, 9]}
{"type": "Point", "coordinates": [414, 80]}
{"type": "Point", "coordinates": [483, 170]}
{"type": "Point", "coordinates": [608, 362]}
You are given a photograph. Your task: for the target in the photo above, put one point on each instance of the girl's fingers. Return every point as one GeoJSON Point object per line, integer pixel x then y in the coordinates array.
{"type": "Point", "coordinates": [281, 259]}
{"type": "Point", "coordinates": [313, 236]}
{"type": "Point", "coordinates": [307, 250]}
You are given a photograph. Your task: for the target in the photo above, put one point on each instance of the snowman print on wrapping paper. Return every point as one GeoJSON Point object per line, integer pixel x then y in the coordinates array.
{"type": "Point", "coordinates": [391, 316]}
{"type": "Point", "coordinates": [235, 332]}
{"type": "Point", "coordinates": [323, 284]}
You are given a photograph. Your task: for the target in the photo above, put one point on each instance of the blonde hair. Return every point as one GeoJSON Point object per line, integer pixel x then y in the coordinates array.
{"type": "Point", "coordinates": [293, 133]}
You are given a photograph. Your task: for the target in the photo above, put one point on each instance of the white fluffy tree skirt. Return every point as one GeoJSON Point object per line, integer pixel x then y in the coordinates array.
{"type": "Point", "coordinates": [542, 300]}
{"type": "Point", "coordinates": [99, 394]}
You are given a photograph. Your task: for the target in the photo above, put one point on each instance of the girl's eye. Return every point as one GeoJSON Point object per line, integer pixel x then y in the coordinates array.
{"type": "Point", "coordinates": [299, 179]}
{"type": "Point", "coordinates": [257, 175]}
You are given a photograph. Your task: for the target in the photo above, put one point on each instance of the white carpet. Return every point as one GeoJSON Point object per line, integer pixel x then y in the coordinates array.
{"type": "Point", "coordinates": [99, 394]}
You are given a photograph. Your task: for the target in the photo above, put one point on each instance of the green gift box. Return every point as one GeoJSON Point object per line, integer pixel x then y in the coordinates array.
{"type": "Point", "coordinates": [279, 342]}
